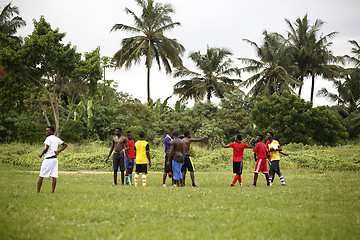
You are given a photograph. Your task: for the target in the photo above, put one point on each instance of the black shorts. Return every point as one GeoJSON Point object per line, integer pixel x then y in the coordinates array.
{"type": "Point", "coordinates": [167, 169]}
{"type": "Point", "coordinates": [237, 167]}
{"type": "Point", "coordinates": [141, 168]}
{"type": "Point", "coordinates": [118, 162]}
{"type": "Point", "coordinates": [187, 164]}
{"type": "Point", "coordinates": [274, 166]}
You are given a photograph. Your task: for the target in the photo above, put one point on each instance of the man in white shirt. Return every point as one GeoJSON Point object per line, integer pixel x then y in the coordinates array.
{"type": "Point", "coordinates": [49, 167]}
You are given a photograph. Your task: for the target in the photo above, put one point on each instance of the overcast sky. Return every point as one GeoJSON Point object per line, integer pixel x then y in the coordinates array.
{"type": "Point", "coordinates": [204, 23]}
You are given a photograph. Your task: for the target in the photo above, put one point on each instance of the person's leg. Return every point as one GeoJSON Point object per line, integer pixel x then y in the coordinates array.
{"type": "Point", "coordinates": [164, 178]}
{"type": "Point", "coordinates": [256, 175]}
{"type": "Point", "coordinates": [183, 179]}
{"type": "Point", "coordinates": [136, 177]}
{"type": "Point", "coordinates": [115, 177]}
{"type": "Point", "coordinates": [240, 180]}
{"type": "Point", "coordinates": [236, 178]}
{"type": "Point", "coordinates": [127, 176]}
{"type": "Point", "coordinates": [192, 176]}
{"type": "Point", "coordinates": [130, 175]}
{"type": "Point", "coordinates": [144, 179]}
{"type": "Point", "coordinates": [281, 178]}
{"type": "Point", "coordinates": [39, 183]}
{"type": "Point", "coordinates": [271, 176]}
{"type": "Point", "coordinates": [53, 185]}
{"type": "Point", "coordinates": [267, 178]}
{"type": "Point", "coordinates": [122, 177]}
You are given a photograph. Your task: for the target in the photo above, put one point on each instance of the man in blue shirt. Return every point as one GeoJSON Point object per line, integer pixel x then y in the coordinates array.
{"type": "Point", "coordinates": [167, 167]}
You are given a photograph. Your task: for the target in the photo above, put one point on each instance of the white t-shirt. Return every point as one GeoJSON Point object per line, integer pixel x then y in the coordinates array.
{"type": "Point", "coordinates": [53, 142]}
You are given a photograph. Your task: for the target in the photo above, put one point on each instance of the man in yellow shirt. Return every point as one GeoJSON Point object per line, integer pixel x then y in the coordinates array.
{"type": "Point", "coordinates": [142, 152]}
{"type": "Point", "coordinates": [274, 149]}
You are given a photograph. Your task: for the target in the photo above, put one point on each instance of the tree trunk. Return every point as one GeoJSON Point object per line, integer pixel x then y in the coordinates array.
{"type": "Point", "coordinates": [148, 85]}
{"type": "Point", "coordinates": [312, 87]}
{"type": "Point", "coordinates": [300, 87]}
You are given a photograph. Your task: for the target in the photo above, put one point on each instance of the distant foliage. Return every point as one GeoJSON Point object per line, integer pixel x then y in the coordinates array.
{"type": "Point", "coordinates": [294, 120]}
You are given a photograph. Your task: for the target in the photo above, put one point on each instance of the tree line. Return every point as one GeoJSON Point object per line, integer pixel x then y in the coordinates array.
{"type": "Point", "coordinates": [44, 81]}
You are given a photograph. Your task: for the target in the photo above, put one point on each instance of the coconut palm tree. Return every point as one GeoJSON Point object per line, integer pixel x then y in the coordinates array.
{"type": "Point", "coordinates": [150, 41]}
{"type": "Point", "coordinates": [273, 72]}
{"type": "Point", "coordinates": [213, 79]}
{"type": "Point", "coordinates": [311, 54]}
{"type": "Point", "coordinates": [348, 91]}
{"type": "Point", "coordinates": [356, 51]}
{"type": "Point", "coordinates": [10, 22]}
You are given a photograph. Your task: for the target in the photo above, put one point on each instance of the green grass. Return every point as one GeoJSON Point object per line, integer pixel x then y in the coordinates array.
{"type": "Point", "coordinates": [313, 206]}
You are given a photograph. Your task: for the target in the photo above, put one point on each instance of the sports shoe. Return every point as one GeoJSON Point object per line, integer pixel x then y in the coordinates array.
{"type": "Point", "coordinates": [232, 185]}
{"type": "Point", "coordinates": [252, 186]}
{"type": "Point", "coordinates": [283, 185]}
{"type": "Point", "coordinates": [194, 185]}
{"type": "Point", "coordinates": [241, 185]}
{"type": "Point", "coordinates": [270, 184]}
{"type": "Point", "coordinates": [144, 186]}
{"type": "Point", "coordinates": [136, 185]}
{"type": "Point", "coordinates": [164, 185]}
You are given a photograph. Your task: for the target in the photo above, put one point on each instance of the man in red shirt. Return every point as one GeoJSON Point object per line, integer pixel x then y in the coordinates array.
{"type": "Point", "coordinates": [238, 151]}
{"type": "Point", "coordinates": [129, 163]}
{"type": "Point", "coordinates": [260, 158]}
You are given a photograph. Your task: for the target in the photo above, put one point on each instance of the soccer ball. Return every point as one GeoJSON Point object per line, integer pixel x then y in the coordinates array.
{"type": "Point", "coordinates": [274, 146]}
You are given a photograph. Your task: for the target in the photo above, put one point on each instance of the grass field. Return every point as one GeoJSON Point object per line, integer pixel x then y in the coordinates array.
{"type": "Point", "coordinates": [313, 205]}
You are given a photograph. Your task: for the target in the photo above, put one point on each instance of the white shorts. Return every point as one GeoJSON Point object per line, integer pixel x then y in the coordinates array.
{"type": "Point", "coordinates": [49, 168]}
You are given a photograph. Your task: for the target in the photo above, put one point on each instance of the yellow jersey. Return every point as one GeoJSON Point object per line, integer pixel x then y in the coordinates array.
{"type": "Point", "coordinates": [274, 155]}
{"type": "Point", "coordinates": [141, 148]}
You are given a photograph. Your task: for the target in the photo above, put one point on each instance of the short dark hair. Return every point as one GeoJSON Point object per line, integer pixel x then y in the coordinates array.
{"type": "Point", "coordinates": [142, 134]}
{"type": "Point", "coordinates": [239, 137]}
{"type": "Point", "coordinates": [51, 128]}
{"type": "Point", "coordinates": [271, 133]}
{"type": "Point", "coordinates": [128, 132]}
{"type": "Point", "coordinates": [261, 136]}
{"type": "Point", "coordinates": [175, 133]}
{"type": "Point", "coordinates": [119, 128]}
{"type": "Point", "coordinates": [187, 133]}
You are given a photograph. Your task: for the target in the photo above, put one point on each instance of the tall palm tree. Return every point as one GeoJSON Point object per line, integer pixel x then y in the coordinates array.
{"type": "Point", "coordinates": [273, 72]}
{"type": "Point", "coordinates": [214, 78]}
{"type": "Point", "coordinates": [356, 51]}
{"type": "Point", "coordinates": [311, 54]}
{"type": "Point", "coordinates": [151, 42]}
{"type": "Point", "coordinates": [10, 22]}
{"type": "Point", "coordinates": [348, 91]}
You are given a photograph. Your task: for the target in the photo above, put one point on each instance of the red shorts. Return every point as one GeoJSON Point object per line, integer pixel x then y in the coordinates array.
{"type": "Point", "coordinates": [261, 166]}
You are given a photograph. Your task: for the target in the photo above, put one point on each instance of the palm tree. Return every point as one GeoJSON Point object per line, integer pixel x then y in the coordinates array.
{"type": "Point", "coordinates": [356, 51]}
{"type": "Point", "coordinates": [348, 91]}
{"type": "Point", "coordinates": [9, 22]}
{"type": "Point", "coordinates": [311, 55]}
{"type": "Point", "coordinates": [151, 42]}
{"type": "Point", "coordinates": [273, 72]}
{"type": "Point", "coordinates": [215, 67]}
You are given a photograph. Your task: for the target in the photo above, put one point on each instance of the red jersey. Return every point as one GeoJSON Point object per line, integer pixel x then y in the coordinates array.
{"type": "Point", "coordinates": [260, 150]}
{"type": "Point", "coordinates": [238, 151]}
{"type": "Point", "coordinates": [131, 150]}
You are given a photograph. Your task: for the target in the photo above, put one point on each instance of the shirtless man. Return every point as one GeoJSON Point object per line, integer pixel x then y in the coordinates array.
{"type": "Point", "coordinates": [176, 156]}
{"type": "Point", "coordinates": [118, 143]}
{"type": "Point", "coordinates": [187, 161]}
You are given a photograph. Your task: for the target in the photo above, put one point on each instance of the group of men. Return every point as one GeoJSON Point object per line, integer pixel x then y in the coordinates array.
{"type": "Point", "coordinates": [177, 157]}
{"type": "Point", "coordinates": [263, 154]}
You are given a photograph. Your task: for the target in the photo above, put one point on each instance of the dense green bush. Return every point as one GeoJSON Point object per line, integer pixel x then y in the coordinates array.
{"type": "Point", "coordinates": [91, 156]}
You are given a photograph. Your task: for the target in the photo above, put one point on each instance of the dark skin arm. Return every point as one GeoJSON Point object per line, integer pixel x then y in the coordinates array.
{"type": "Point", "coordinates": [171, 153]}
{"type": "Point", "coordinates": [222, 143]}
{"type": "Point", "coordinates": [198, 139]}
{"type": "Point", "coordinates": [111, 149]}
{"type": "Point", "coordinates": [247, 139]}
{"type": "Point", "coordinates": [148, 156]}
